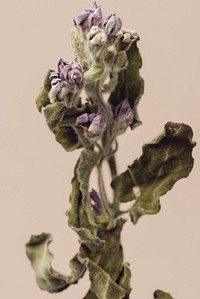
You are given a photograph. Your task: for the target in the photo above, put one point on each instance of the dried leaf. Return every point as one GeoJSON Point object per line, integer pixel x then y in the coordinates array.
{"type": "Point", "coordinates": [43, 97]}
{"type": "Point", "coordinates": [61, 121]}
{"type": "Point", "coordinates": [130, 84]}
{"type": "Point", "coordinates": [163, 162]}
{"type": "Point", "coordinates": [41, 258]}
{"type": "Point", "coordinates": [162, 295]}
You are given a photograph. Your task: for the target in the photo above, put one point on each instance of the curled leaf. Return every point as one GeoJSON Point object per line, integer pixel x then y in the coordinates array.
{"type": "Point", "coordinates": [124, 280]}
{"type": "Point", "coordinates": [162, 295]}
{"type": "Point", "coordinates": [106, 266]}
{"type": "Point", "coordinates": [42, 99]}
{"type": "Point", "coordinates": [62, 120]}
{"type": "Point", "coordinates": [130, 84]}
{"type": "Point", "coordinates": [92, 242]}
{"type": "Point", "coordinates": [41, 258]}
{"type": "Point", "coordinates": [163, 162]}
{"type": "Point", "coordinates": [81, 215]}
{"type": "Point", "coordinates": [101, 283]}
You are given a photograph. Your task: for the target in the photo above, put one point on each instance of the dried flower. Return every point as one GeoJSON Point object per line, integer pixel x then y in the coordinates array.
{"type": "Point", "coordinates": [93, 123]}
{"type": "Point", "coordinates": [112, 24]}
{"type": "Point", "coordinates": [63, 81]}
{"type": "Point", "coordinates": [95, 201]}
{"type": "Point", "coordinates": [89, 17]}
{"type": "Point", "coordinates": [124, 116]}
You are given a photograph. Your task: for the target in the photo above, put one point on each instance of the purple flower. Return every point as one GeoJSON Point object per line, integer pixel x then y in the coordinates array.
{"type": "Point", "coordinates": [89, 17]}
{"type": "Point", "coordinates": [124, 115]}
{"type": "Point", "coordinates": [95, 201]}
{"type": "Point", "coordinates": [112, 24]}
{"type": "Point", "coordinates": [93, 123]}
{"type": "Point", "coordinates": [63, 81]}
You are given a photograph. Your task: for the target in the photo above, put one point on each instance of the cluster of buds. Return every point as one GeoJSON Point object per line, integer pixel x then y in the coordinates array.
{"type": "Point", "coordinates": [100, 46]}
{"type": "Point", "coordinates": [68, 78]}
{"type": "Point", "coordinates": [103, 36]}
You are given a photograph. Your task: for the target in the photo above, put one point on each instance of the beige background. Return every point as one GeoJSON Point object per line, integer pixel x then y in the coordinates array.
{"type": "Point", "coordinates": [163, 249]}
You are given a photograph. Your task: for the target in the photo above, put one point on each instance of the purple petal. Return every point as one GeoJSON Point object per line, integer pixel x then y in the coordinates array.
{"type": "Point", "coordinates": [95, 201]}
{"type": "Point", "coordinates": [82, 119]}
{"type": "Point", "coordinates": [75, 77]}
{"type": "Point", "coordinates": [112, 24]}
{"type": "Point", "coordinates": [124, 113]}
{"type": "Point", "coordinates": [98, 124]}
{"type": "Point", "coordinates": [54, 75]}
{"type": "Point", "coordinates": [89, 17]}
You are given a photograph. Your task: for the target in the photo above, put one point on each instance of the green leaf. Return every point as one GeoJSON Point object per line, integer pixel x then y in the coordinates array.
{"type": "Point", "coordinates": [80, 215]}
{"type": "Point", "coordinates": [90, 295]}
{"type": "Point", "coordinates": [61, 121]}
{"type": "Point", "coordinates": [130, 83]}
{"type": "Point", "coordinates": [89, 240]}
{"type": "Point", "coordinates": [68, 138]}
{"type": "Point", "coordinates": [124, 280]}
{"type": "Point", "coordinates": [162, 295]}
{"type": "Point", "coordinates": [163, 162]}
{"type": "Point", "coordinates": [86, 163]}
{"type": "Point", "coordinates": [106, 266]}
{"type": "Point", "coordinates": [111, 259]}
{"type": "Point", "coordinates": [41, 258]}
{"type": "Point", "coordinates": [43, 97]}
{"type": "Point", "coordinates": [78, 47]}
{"type": "Point", "coordinates": [101, 283]}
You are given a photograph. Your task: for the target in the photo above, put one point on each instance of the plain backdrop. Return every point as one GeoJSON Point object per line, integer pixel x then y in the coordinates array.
{"type": "Point", "coordinates": [164, 249]}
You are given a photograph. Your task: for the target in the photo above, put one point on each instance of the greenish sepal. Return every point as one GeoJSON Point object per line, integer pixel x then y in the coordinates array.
{"type": "Point", "coordinates": [95, 73]}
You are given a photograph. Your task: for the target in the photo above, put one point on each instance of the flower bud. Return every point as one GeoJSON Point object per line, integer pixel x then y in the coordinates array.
{"type": "Point", "coordinates": [124, 116]}
{"type": "Point", "coordinates": [94, 123]}
{"type": "Point", "coordinates": [98, 123]}
{"type": "Point", "coordinates": [95, 201]}
{"type": "Point", "coordinates": [89, 17]}
{"type": "Point", "coordinates": [125, 38]}
{"type": "Point", "coordinates": [68, 76]}
{"type": "Point", "coordinates": [112, 24]}
{"type": "Point", "coordinates": [97, 36]}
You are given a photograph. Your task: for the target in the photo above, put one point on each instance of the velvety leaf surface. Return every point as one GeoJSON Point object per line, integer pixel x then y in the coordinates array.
{"type": "Point", "coordinates": [124, 280]}
{"type": "Point", "coordinates": [106, 266]}
{"type": "Point", "coordinates": [163, 162]}
{"type": "Point", "coordinates": [90, 295]}
{"type": "Point", "coordinates": [130, 83]}
{"type": "Point", "coordinates": [92, 242]}
{"type": "Point", "coordinates": [61, 121]}
{"type": "Point", "coordinates": [162, 295]}
{"type": "Point", "coordinates": [94, 73]}
{"type": "Point", "coordinates": [80, 215]}
{"type": "Point", "coordinates": [101, 283]}
{"type": "Point", "coordinates": [43, 96]}
{"type": "Point", "coordinates": [111, 258]}
{"type": "Point", "coordinates": [41, 258]}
